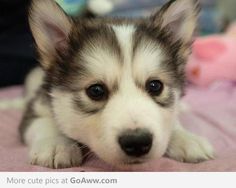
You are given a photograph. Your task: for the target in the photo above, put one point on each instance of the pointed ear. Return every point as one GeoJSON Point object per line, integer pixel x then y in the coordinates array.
{"type": "Point", "coordinates": [179, 17]}
{"type": "Point", "coordinates": [50, 27]}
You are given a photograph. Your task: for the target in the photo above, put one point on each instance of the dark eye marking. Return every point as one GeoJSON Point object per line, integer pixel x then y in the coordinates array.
{"type": "Point", "coordinates": [162, 94]}
{"type": "Point", "coordinates": [97, 96]}
{"type": "Point", "coordinates": [84, 107]}
{"type": "Point", "coordinates": [165, 101]}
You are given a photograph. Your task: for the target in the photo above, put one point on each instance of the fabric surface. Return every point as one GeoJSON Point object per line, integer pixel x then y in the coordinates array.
{"type": "Point", "coordinates": [211, 113]}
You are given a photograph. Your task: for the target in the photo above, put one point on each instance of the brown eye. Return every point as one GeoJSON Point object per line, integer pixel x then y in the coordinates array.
{"type": "Point", "coordinates": [97, 92]}
{"type": "Point", "coordinates": [154, 87]}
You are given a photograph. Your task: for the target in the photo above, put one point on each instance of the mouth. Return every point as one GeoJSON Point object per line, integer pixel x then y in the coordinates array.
{"type": "Point", "coordinates": [132, 162]}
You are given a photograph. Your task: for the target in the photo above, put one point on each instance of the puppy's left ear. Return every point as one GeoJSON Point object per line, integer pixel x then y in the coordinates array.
{"type": "Point", "coordinates": [178, 17]}
{"type": "Point", "coordinates": [50, 27]}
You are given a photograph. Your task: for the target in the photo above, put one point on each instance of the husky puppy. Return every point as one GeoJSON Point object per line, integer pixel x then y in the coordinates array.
{"type": "Point", "coordinates": [113, 85]}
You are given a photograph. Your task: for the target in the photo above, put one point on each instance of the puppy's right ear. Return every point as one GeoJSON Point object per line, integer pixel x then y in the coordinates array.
{"type": "Point", "coordinates": [50, 27]}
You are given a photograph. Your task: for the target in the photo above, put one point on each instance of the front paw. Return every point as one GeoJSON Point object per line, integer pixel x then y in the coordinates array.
{"type": "Point", "coordinates": [58, 152]}
{"type": "Point", "coordinates": [187, 147]}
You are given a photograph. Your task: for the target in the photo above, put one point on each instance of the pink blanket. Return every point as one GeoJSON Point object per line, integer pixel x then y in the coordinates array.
{"type": "Point", "coordinates": [212, 114]}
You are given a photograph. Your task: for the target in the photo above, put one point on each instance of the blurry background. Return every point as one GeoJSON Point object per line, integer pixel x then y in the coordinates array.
{"type": "Point", "coordinates": [137, 8]}
{"type": "Point", "coordinates": [17, 55]}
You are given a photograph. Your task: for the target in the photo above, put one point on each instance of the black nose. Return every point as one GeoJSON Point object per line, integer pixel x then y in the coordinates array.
{"type": "Point", "coordinates": [136, 142]}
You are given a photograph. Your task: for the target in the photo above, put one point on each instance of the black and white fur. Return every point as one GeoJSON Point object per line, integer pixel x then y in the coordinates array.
{"type": "Point", "coordinates": [123, 55]}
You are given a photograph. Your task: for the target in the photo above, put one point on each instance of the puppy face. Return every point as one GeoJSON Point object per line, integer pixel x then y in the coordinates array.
{"type": "Point", "coordinates": [115, 84]}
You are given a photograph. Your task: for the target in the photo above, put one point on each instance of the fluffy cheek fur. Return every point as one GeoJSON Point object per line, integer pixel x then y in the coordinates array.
{"type": "Point", "coordinates": [100, 131]}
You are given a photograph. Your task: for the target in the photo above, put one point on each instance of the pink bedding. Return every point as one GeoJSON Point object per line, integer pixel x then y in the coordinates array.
{"type": "Point", "coordinates": [212, 114]}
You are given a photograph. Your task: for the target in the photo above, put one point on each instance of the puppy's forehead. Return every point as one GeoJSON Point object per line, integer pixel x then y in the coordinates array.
{"type": "Point", "coordinates": [113, 51]}
{"type": "Point", "coordinates": [97, 51]}
{"type": "Point", "coordinates": [142, 55]}
{"type": "Point", "coordinates": [111, 42]}
{"type": "Point", "coordinates": [125, 34]}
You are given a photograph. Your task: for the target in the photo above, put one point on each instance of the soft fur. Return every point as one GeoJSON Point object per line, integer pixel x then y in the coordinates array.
{"type": "Point", "coordinates": [123, 55]}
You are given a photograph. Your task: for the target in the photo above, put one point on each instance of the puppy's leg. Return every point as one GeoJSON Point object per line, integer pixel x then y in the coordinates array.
{"type": "Point", "coordinates": [187, 147]}
{"type": "Point", "coordinates": [48, 147]}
